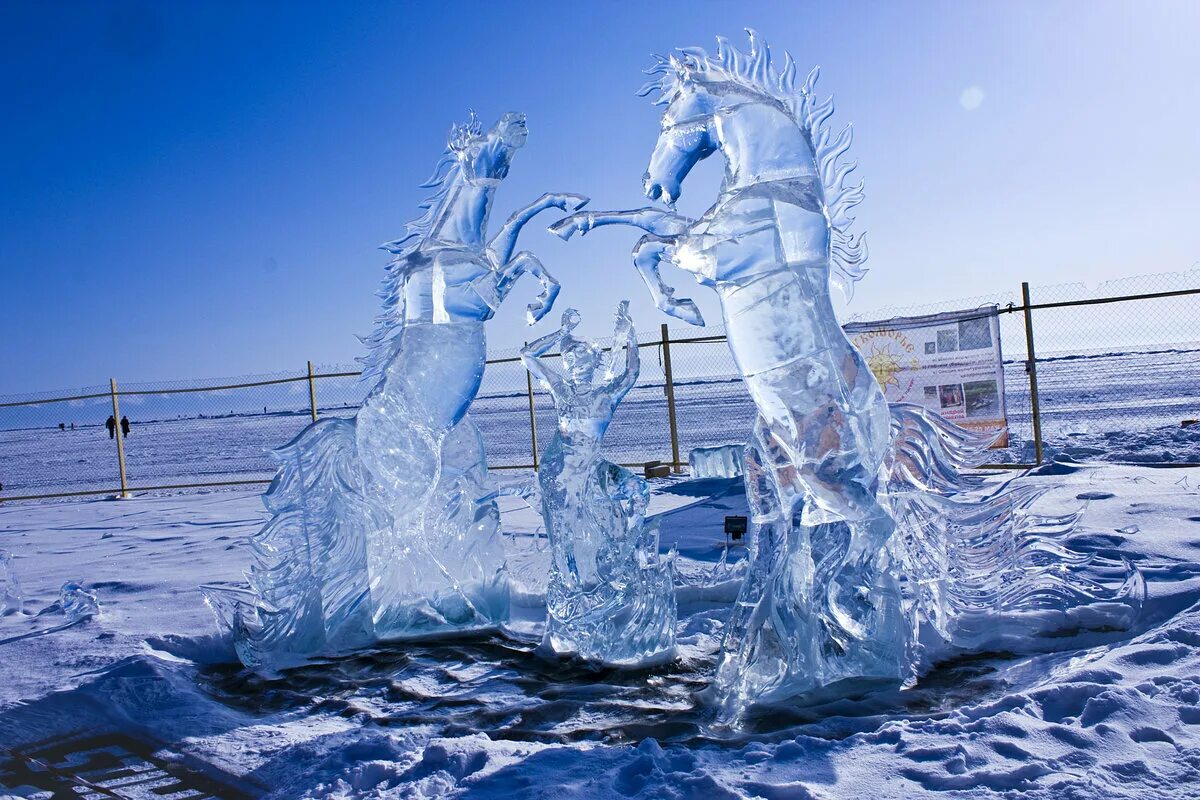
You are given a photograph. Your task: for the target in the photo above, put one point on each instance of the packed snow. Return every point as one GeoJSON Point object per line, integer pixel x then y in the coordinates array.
{"type": "Point", "coordinates": [1109, 714]}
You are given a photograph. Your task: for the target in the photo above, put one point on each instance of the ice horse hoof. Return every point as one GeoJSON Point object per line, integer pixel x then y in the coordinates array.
{"type": "Point", "coordinates": [570, 225]}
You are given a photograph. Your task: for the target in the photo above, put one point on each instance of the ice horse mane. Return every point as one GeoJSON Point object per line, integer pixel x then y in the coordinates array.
{"type": "Point", "coordinates": [756, 74]}
{"type": "Point", "coordinates": [382, 343]}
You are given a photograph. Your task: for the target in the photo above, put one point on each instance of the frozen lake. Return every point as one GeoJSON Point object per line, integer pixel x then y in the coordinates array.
{"type": "Point", "coordinates": [1112, 406]}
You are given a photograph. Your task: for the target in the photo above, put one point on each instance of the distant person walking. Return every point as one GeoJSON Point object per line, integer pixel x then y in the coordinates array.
{"type": "Point", "coordinates": [125, 427]}
{"type": "Point", "coordinates": [111, 424]}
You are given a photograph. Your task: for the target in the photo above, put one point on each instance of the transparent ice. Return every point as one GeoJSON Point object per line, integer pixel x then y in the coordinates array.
{"type": "Point", "coordinates": [611, 595]}
{"type": "Point", "coordinates": [863, 527]}
{"type": "Point", "coordinates": [383, 526]}
{"type": "Point", "coordinates": [724, 461]}
{"type": "Point", "coordinates": [77, 603]}
{"type": "Point", "coordinates": [10, 588]}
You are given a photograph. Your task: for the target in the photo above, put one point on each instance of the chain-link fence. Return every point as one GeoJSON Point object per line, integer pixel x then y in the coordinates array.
{"type": "Point", "coordinates": [1118, 368]}
{"type": "Point", "coordinates": [1117, 371]}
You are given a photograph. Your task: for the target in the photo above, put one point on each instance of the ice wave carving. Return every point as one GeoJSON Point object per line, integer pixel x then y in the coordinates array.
{"type": "Point", "coordinates": [972, 558]}
{"type": "Point", "coordinates": [385, 526]}
{"type": "Point", "coordinates": [982, 567]}
{"type": "Point", "coordinates": [308, 585]}
{"type": "Point", "coordinates": [863, 527]}
{"type": "Point", "coordinates": [929, 453]}
{"type": "Point", "coordinates": [611, 595]}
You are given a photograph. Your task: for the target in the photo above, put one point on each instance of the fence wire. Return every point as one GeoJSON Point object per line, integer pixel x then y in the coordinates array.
{"type": "Point", "coordinates": [1118, 368]}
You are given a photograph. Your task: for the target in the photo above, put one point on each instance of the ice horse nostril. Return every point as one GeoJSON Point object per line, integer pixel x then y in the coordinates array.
{"type": "Point", "coordinates": [651, 189]}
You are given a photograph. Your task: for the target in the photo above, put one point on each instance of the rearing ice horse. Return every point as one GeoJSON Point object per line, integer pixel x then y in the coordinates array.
{"type": "Point", "coordinates": [435, 563]}
{"type": "Point", "coordinates": [832, 473]}
{"type": "Point", "coordinates": [769, 246]}
{"type": "Point", "coordinates": [382, 525]}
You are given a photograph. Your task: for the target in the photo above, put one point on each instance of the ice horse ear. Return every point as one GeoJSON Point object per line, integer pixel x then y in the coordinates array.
{"type": "Point", "coordinates": [463, 135]}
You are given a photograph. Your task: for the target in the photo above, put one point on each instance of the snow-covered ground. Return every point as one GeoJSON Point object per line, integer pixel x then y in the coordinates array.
{"type": "Point", "coordinates": [1101, 715]}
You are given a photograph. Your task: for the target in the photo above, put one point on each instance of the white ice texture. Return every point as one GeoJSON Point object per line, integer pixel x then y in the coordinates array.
{"type": "Point", "coordinates": [864, 531]}
{"type": "Point", "coordinates": [723, 461]}
{"type": "Point", "coordinates": [11, 598]}
{"type": "Point", "coordinates": [383, 525]}
{"type": "Point", "coordinates": [610, 598]}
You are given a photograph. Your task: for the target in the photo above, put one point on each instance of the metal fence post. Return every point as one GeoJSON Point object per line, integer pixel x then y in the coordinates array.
{"type": "Point", "coordinates": [119, 435]}
{"type": "Point", "coordinates": [532, 418]}
{"type": "Point", "coordinates": [670, 386]}
{"type": "Point", "coordinates": [1031, 368]}
{"type": "Point", "coordinates": [312, 393]}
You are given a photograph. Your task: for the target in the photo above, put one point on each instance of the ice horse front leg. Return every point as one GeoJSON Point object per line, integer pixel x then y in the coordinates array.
{"type": "Point", "coordinates": [503, 244]}
{"type": "Point", "coordinates": [652, 220]}
{"type": "Point", "coordinates": [527, 263]}
{"type": "Point", "coordinates": [648, 254]}
{"type": "Point", "coordinates": [664, 228]}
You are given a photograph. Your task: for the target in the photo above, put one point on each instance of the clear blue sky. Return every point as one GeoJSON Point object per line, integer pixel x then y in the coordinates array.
{"type": "Point", "coordinates": [198, 188]}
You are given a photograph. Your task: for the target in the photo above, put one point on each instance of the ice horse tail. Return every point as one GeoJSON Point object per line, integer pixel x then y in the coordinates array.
{"type": "Point", "coordinates": [983, 569]}
{"type": "Point", "coordinates": [930, 453]}
{"type": "Point", "coordinates": [307, 588]}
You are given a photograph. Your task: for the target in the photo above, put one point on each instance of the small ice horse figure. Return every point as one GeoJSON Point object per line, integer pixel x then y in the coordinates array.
{"type": "Point", "coordinates": [383, 525]}
{"type": "Point", "coordinates": [611, 596]}
{"type": "Point", "coordinates": [836, 589]}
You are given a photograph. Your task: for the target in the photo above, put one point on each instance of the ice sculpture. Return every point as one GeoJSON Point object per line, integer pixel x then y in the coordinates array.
{"type": "Point", "coordinates": [77, 603]}
{"type": "Point", "coordinates": [831, 469]}
{"type": "Point", "coordinates": [724, 461]}
{"type": "Point", "coordinates": [383, 526]}
{"type": "Point", "coordinates": [10, 587]}
{"type": "Point", "coordinates": [611, 595]}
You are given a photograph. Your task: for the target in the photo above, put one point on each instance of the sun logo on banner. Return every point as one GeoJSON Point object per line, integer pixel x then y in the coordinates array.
{"type": "Point", "coordinates": [892, 359]}
{"type": "Point", "coordinates": [885, 365]}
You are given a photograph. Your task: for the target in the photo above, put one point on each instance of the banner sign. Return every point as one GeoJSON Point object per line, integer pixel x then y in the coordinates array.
{"type": "Point", "coordinates": [950, 363]}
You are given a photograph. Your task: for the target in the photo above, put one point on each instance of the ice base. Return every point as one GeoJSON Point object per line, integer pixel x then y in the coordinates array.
{"type": "Point", "coordinates": [617, 606]}
{"type": "Point", "coordinates": [958, 571]}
